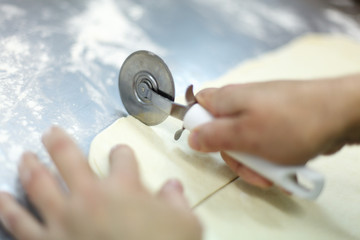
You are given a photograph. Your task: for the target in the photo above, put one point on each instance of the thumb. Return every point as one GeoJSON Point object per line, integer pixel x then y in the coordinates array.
{"type": "Point", "coordinates": [172, 192]}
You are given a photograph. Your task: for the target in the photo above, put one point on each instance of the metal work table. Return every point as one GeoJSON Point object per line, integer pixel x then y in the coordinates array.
{"type": "Point", "coordinates": [59, 60]}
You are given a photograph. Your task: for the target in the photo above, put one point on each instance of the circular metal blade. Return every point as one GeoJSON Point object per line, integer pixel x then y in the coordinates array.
{"type": "Point", "coordinates": [141, 70]}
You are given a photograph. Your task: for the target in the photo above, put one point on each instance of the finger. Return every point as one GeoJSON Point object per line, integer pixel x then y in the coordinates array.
{"type": "Point", "coordinates": [334, 148]}
{"type": "Point", "coordinates": [246, 173]}
{"type": "Point", "coordinates": [221, 134]}
{"type": "Point", "coordinates": [18, 221]}
{"type": "Point", "coordinates": [204, 97]}
{"type": "Point", "coordinates": [124, 168]}
{"type": "Point", "coordinates": [173, 192]}
{"type": "Point", "coordinates": [68, 158]}
{"type": "Point", "coordinates": [42, 188]}
{"type": "Point", "coordinates": [224, 101]}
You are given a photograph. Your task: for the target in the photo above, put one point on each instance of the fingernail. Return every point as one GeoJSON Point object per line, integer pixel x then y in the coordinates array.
{"type": "Point", "coordinates": [173, 185]}
{"type": "Point", "coordinates": [119, 152]}
{"type": "Point", "coordinates": [49, 133]}
{"type": "Point", "coordinates": [46, 135]}
{"type": "Point", "coordinates": [118, 147]}
{"type": "Point", "coordinates": [194, 140]}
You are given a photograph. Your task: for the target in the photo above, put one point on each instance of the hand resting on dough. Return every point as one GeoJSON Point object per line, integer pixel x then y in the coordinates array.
{"type": "Point", "coordinates": [117, 207]}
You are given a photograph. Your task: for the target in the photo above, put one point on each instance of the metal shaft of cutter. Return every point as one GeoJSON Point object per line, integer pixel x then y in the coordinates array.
{"type": "Point", "coordinates": [174, 109]}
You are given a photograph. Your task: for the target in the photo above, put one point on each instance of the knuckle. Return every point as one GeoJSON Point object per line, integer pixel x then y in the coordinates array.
{"type": "Point", "coordinates": [36, 177]}
{"type": "Point", "coordinates": [215, 140]}
{"type": "Point", "coordinates": [88, 190]}
{"type": "Point", "coordinates": [206, 140]}
{"type": "Point", "coordinates": [247, 135]}
{"type": "Point", "coordinates": [54, 206]}
{"type": "Point", "coordinates": [12, 221]}
{"type": "Point", "coordinates": [215, 104]}
{"type": "Point", "coordinates": [237, 127]}
{"type": "Point", "coordinates": [35, 188]}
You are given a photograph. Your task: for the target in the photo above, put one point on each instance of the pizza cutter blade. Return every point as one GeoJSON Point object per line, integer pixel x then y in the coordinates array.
{"type": "Point", "coordinates": [142, 77]}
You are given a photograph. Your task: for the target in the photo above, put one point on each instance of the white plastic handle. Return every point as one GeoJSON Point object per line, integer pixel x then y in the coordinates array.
{"type": "Point", "coordinates": [283, 176]}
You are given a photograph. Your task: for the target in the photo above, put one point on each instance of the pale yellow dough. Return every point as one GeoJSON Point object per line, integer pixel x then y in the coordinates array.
{"type": "Point", "coordinates": [160, 157]}
{"type": "Point", "coordinates": [239, 211]}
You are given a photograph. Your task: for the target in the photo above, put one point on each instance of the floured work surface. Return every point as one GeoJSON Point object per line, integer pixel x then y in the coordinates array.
{"type": "Point", "coordinates": [239, 211]}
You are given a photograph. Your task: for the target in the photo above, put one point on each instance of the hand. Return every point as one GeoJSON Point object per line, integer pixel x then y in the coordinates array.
{"type": "Point", "coordinates": [117, 207]}
{"type": "Point", "coordinates": [287, 122]}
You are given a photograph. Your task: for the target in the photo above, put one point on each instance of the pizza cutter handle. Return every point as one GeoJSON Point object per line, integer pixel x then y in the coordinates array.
{"type": "Point", "coordinates": [298, 180]}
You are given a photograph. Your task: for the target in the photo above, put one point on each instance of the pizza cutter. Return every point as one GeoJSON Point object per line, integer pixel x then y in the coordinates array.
{"type": "Point", "coordinates": [147, 91]}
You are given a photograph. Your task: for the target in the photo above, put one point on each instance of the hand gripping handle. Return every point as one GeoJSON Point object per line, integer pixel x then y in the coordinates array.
{"type": "Point", "coordinates": [286, 177]}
